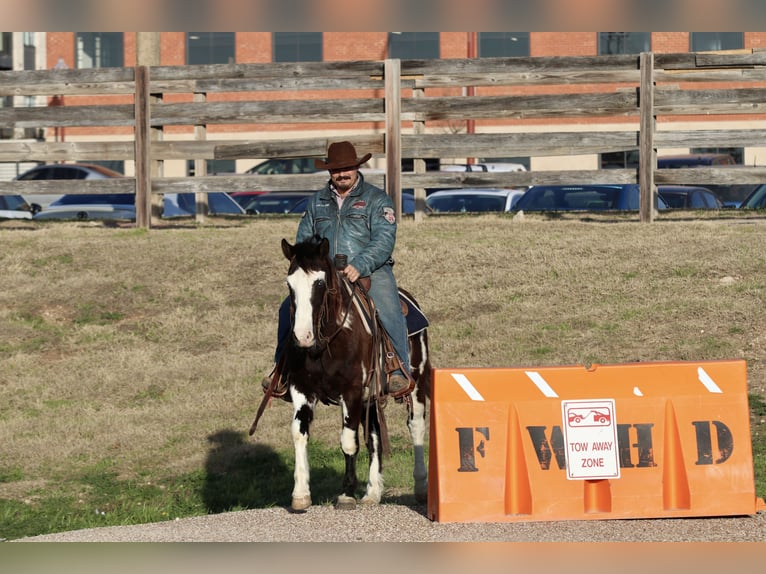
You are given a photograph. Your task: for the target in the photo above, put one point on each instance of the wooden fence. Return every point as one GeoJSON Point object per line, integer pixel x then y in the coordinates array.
{"type": "Point", "coordinates": [405, 99]}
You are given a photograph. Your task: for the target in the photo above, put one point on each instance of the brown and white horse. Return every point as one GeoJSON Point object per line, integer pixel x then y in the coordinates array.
{"type": "Point", "coordinates": [331, 358]}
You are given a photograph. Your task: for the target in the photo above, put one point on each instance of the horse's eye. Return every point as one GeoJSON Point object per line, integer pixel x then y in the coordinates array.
{"type": "Point", "coordinates": [320, 283]}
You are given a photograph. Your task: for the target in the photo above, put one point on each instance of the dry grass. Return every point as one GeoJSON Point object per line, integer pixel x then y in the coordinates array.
{"type": "Point", "coordinates": [138, 346]}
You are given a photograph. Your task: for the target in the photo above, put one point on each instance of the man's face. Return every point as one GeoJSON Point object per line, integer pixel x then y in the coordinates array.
{"type": "Point", "coordinates": [344, 178]}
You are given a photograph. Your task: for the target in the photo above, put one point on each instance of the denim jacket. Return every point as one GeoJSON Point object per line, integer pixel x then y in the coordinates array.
{"type": "Point", "coordinates": [364, 228]}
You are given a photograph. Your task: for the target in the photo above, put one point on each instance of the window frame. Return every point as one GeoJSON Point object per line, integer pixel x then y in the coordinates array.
{"type": "Point", "coordinates": [737, 38]}
{"type": "Point", "coordinates": [501, 40]}
{"type": "Point", "coordinates": [414, 45]}
{"type": "Point", "coordinates": [101, 56]}
{"type": "Point", "coordinates": [624, 39]}
{"type": "Point", "coordinates": [212, 49]}
{"type": "Point", "coordinates": [302, 44]}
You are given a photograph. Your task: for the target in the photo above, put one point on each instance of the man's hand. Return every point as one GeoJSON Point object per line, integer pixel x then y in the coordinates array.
{"type": "Point", "coordinates": [351, 273]}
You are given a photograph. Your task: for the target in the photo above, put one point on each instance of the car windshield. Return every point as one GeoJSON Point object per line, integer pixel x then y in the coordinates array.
{"type": "Point", "coordinates": [756, 199]}
{"type": "Point", "coordinates": [96, 199]}
{"type": "Point", "coordinates": [466, 203]}
{"type": "Point", "coordinates": [14, 202]}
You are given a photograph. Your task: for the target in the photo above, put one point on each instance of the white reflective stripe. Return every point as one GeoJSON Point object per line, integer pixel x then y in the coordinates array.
{"type": "Point", "coordinates": [541, 384]}
{"type": "Point", "coordinates": [707, 381]}
{"type": "Point", "coordinates": [466, 385]}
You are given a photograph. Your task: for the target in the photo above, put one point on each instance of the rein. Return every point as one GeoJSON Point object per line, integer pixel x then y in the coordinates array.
{"type": "Point", "coordinates": [325, 341]}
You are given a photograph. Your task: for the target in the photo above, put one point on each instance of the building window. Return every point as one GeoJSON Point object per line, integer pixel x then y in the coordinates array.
{"type": "Point", "coordinates": [6, 50]}
{"type": "Point", "coordinates": [413, 45]}
{"type": "Point", "coordinates": [204, 48]}
{"type": "Point", "coordinates": [619, 160]}
{"type": "Point", "coordinates": [99, 50]}
{"type": "Point", "coordinates": [710, 41]}
{"type": "Point", "coordinates": [297, 46]}
{"type": "Point", "coordinates": [503, 44]}
{"type": "Point", "coordinates": [624, 42]}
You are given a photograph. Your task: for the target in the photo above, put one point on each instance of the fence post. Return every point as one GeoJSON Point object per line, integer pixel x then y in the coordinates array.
{"type": "Point", "coordinates": [142, 149]}
{"type": "Point", "coordinates": [419, 164]}
{"type": "Point", "coordinates": [393, 137]}
{"type": "Point", "coordinates": [200, 166]}
{"type": "Point", "coordinates": [647, 153]}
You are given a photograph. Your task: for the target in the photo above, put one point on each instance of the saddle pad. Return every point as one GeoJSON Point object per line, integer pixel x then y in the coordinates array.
{"type": "Point", "coordinates": [416, 320]}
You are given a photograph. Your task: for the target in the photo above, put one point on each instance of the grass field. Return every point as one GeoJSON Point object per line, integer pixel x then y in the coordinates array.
{"type": "Point", "coordinates": [130, 360]}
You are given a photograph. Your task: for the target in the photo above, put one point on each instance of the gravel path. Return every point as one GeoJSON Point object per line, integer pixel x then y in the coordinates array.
{"type": "Point", "coordinates": [397, 523]}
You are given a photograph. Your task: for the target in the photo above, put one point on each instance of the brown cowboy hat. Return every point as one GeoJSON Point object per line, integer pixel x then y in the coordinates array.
{"type": "Point", "coordinates": [340, 155]}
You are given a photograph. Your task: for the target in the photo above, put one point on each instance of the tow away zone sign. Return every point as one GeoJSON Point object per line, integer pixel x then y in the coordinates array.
{"type": "Point", "coordinates": [590, 436]}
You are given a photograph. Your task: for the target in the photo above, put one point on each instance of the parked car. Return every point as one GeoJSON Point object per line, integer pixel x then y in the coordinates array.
{"type": "Point", "coordinates": [184, 204]}
{"type": "Point", "coordinates": [492, 166]}
{"type": "Point", "coordinates": [68, 171]}
{"type": "Point", "coordinates": [278, 202]}
{"type": "Point", "coordinates": [16, 207]}
{"type": "Point", "coordinates": [694, 160]}
{"type": "Point", "coordinates": [244, 197]}
{"type": "Point", "coordinates": [284, 165]}
{"type": "Point", "coordinates": [756, 199]}
{"type": "Point", "coordinates": [89, 206]}
{"type": "Point", "coordinates": [472, 200]}
{"type": "Point", "coordinates": [596, 197]}
{"type": "Point", "coordinates": [689, 197]}
{"type": "Point", "coordinates": [64, 171]}
{"type": "Point", "coordinates": [119, 206]}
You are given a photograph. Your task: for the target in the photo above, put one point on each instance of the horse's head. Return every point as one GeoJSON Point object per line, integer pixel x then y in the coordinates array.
{"type": "Point", "coordinates": [309, 278]}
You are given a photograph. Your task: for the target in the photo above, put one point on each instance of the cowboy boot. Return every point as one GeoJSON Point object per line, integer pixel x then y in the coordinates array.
{"type": "Point", "coordinates": [398, 383]}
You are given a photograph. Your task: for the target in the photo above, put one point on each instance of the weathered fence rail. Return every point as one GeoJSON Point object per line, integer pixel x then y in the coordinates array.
{"type": "Point", "coordinates": [394, 109]}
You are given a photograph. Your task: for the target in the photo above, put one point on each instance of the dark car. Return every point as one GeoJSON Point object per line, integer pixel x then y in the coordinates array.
{"type": "Point", "coordinates": [596, 197]}
{"type": "Point", "coordinates": [689, 197]}
{"type": "Point", "coordinates": [694, 160]}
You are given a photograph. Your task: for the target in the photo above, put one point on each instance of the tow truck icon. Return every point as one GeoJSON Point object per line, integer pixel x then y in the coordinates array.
{"type": "Point", "coordinates": [588, 417]}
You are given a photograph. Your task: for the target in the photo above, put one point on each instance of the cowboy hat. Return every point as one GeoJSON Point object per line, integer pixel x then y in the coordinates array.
{"type": "Point", "coordinates": [340, 155]}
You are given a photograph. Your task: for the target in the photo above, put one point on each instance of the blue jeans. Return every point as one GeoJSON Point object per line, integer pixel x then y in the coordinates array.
{"type": "Point", "coordinates": [385, 294]}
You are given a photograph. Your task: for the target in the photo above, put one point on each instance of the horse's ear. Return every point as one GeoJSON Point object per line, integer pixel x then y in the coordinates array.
{"type": "Point", "coordinates": [287, 249]}
{"type": "Point", "coordinates": [324, 247]}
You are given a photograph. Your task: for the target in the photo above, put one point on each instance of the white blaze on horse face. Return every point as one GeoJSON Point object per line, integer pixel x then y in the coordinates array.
{"type": "Point", "coordinates": [302, 285]}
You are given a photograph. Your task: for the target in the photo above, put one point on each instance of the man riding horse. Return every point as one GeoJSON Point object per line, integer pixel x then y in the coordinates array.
{"type": "Point", "coordinates": [358, 220]}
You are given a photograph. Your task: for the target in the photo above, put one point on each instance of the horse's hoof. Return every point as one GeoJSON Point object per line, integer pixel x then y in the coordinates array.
{"type": "Point", "coordinates": [301, 503]}
{"type": "Point", "coordinates": [370, 501]}
{"type": "Point", "coordinates": [345, 502]}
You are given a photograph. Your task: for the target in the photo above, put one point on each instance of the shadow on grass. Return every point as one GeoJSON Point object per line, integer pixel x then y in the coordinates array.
{"type": "Point", "coordinates": [243, 475]}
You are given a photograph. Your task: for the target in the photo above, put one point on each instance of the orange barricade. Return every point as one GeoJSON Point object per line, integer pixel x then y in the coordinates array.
{"type": "Point", "coordinates": [573, 443]}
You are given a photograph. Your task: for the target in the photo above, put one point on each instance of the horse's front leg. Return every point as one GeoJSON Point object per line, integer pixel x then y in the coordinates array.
{"type": "Point", "coordinates": [416, 423]}
{"type": "Point", "coordinates": [349, 444]}
{"type": "Point", "coordinates": [303, 414]}
{"type": "Point", "coordinates": [375, 485]}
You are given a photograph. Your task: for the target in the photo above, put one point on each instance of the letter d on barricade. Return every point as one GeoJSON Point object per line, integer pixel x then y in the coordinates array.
{"type": "Point", "coordinates": [641, 440]}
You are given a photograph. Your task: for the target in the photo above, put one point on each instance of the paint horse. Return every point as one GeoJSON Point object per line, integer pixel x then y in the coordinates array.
{"type": "Point", "coordinates": [333, 357]}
